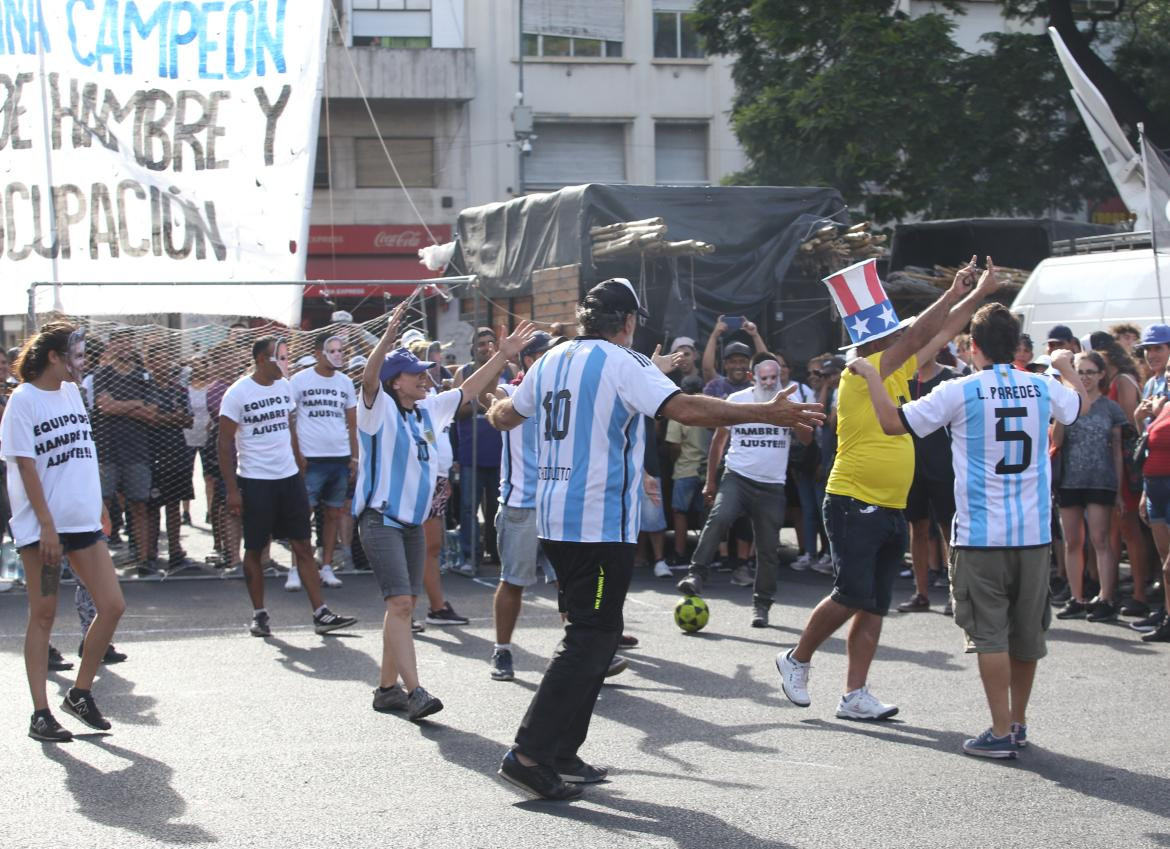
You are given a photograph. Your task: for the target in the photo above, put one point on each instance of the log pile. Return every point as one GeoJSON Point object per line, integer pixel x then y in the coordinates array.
{"type": "Point", "coordinates": [915, 279]}
{"type": "Point", "coordinates": [832, 247]}
{"type": "Point", "coordinates": [641, 238]}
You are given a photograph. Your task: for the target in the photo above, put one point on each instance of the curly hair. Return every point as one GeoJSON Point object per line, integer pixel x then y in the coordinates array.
{"type": "Point", "coordinates": [596, 319]}
{"type": "Point", "coordinates": [1116, 357]}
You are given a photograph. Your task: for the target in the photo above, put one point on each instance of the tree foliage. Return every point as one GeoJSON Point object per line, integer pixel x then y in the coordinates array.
{"type": "Point", "coordinates": [891, 111]}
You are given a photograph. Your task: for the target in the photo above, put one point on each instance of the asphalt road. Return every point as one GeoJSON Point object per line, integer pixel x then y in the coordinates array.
{"type": "Point", "coordinates": [224, 739]}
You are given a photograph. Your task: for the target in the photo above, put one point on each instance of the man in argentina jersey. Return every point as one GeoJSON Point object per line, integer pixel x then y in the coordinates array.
{"type": "Point", "coordinates": [1001, 534]}
{"type": "Point", "coordinates": [588, 399]}
{"type": "Point", "coordinates": [516, 521]}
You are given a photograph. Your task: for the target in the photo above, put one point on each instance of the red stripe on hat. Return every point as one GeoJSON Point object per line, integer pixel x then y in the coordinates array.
{"type": "Point", "coordinates": [845, 297]}
{"type": "Point", "coordinates": [874, 284]}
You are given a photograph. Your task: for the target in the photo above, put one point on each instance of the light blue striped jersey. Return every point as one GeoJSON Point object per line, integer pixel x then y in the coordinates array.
{"type": "Point", "coordinates": [398, 455]}
{"type": "Point", "coordinates": [587, 399]}
{"type": "Point", "coordinates": [518, 463]}
{"type": "Point", "coordinates": [999, 446]}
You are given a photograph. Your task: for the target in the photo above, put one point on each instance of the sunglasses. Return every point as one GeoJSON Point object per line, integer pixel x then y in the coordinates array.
{"type": "Point", "coordinates": [1088, 372]}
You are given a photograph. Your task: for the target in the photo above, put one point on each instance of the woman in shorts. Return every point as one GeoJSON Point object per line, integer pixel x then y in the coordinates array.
{"type": "Point", "coordinates": [399, 428]}
{"type": "Point", "coordinates": [55, 494]}
{"type": "Point", "coordinates": [1090, 451]}
{"type": "Point", "coordinates": [1155, 507]}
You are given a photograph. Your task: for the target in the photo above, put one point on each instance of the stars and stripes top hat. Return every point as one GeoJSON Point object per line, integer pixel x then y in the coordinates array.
{"type": "Point", "coordinates": [862, 301]}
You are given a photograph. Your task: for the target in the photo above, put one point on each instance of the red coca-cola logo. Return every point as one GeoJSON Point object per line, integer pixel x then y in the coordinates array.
{"type": "Point", "coordinates": [400, 239]}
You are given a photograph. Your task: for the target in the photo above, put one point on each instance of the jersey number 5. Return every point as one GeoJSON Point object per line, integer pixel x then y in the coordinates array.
{"type": "Point", "coordinates": [1002, 434]}
{"type": "Point", "coordinates": [556, 414]}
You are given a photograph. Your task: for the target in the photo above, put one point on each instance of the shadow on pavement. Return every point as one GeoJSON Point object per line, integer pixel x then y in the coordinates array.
{"type": "Point", "coordinates": [124, 706]}
{"type": "Point", "coordinates": [332, 660]}
{"type": "Point", "coordinates": [1126, 642]}
{"type": "Point", "coordinates": [137, 798]}
{"type": "Point", "coordinates": [1150, 793]}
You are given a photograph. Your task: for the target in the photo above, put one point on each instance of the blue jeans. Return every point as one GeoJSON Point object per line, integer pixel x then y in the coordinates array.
{"type": "Point", "coordinates": [810, 512]}
{"type": "Point", "coordinates": [486, 492]}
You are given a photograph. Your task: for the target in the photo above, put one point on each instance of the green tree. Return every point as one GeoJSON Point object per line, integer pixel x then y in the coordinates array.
{"type": "Point", "coordinates": [889, 110]}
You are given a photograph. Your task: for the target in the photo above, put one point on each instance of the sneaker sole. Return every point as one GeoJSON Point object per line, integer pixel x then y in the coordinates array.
{"type": "Point", "coordinates": [255, 633]}
{"type": "Point", "coordinates": [569, 778]}
{"type": "Point", "coordinates": [326, 629]}
{"type": "Point", "coordinates": [445, 622]}
{"type": "Point", "coordinates": [394, 709]}
{"type": "Point", "coordinates": [289, 589]}
{"type": "Point", "coordinates": [499, 676]}
{"type": "Point", "coordinates": [844, 714]}
{"type": "Point", "coordinates": [65, 706]}
{"type": "Point", "coordinates": [41, 738]}
{"type": "Point", "coordinates": [528, 791]}
{"type": "Point", "coordinates": [994, 754]}
{"type": "Point", "coordinates": [783, 687]}
{"type": "Point", "coordinates": [617, 669]}
{"type": "Point", "coordinates": [429, 710]}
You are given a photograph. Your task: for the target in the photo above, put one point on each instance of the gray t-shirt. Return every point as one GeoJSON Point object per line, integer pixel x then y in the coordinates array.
{"type": "Point", "coordinates": [1087, 452]}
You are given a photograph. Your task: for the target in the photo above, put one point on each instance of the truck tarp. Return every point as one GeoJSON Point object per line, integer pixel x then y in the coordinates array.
{"type": "Point", "coordinates": [1011, 242]}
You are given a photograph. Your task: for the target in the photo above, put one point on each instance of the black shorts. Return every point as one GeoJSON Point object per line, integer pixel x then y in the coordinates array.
{"type": "Point", "coordinates": [931, 499]}
{"type": "Point", "coordinates": [75, 541]}
{"type": "Point", "coordinates": [868, 544]}
{"type": "Point", "coordinates": [1085, 497]}
{"type": "Point", "coordinates": [274, 509]}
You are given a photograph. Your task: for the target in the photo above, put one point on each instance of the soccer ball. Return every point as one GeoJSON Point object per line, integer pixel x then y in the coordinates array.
{"type": "Point", "coordinates": [691, 614]}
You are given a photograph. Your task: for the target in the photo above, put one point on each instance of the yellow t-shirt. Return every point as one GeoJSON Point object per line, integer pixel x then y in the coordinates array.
{"type": "Point", "coordinates": [871, 466]}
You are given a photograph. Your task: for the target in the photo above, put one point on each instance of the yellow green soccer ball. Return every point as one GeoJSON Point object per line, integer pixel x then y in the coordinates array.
{"type": "Point", "coordinates": [691, 614]}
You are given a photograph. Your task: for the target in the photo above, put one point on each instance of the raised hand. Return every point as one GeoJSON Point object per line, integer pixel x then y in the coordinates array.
{"type": "Point", "coordinates": [966, 277]}
{"type": "Point", "coordinates": [666, 362]}
{"type": "Point", "coordinates": [514, 343]}
{"type": "Point", "coordinates": [989, 281]}
{"type": "Point", "coordinates": [800, 417]}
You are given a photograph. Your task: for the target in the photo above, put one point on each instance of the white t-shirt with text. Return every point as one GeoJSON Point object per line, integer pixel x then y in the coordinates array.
{"type": "Point", "coordinates": [263, 442]}
{"type": "Point", "coordinates": [758, 452]}
{"type": "Point", "coordinates": [322, 403]}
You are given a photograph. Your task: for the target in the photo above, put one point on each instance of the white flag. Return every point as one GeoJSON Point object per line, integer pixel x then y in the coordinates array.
{"type": "Point", "coordinates": [1158, 192]}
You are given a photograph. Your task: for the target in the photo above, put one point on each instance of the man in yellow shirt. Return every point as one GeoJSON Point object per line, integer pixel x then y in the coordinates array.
{"type": "Point", "coordinates": [866, 494]}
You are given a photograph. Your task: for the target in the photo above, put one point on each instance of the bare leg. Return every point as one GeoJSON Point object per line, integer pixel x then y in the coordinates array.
{"type": "Point", "coordinates": [141, 526]}
{"type": "Point", "coordinates": [1099, 517]}
{"type": "Point", "coordinates": [432, 581]}
{"type": "Point", "coordinates": [254, 576]}
{"type": "Point", "coordinates": [174, 529]}
{"type": "Point", "coordinates": [398, 657]}
{"type": "Point", "coordinates": [329, 534]}
{"type": "Point", "coordinates": [995, 670]}
{"type": "Point", "coordinates": [1135, 546]}
{"type": "Point", "coordinates": [43, 582]}
{"type": "Point", "coordinates": [1072, 522]}
{"type": "Point", "coordinates": [306, 567]}
{"type": "Point", "coordinates": [96, 570]}
{"type": "Point", "coordinates": [657, 544]}
{"type": "Point", "coordinates": [824, 621]}
{"type": "Point", "coordinates": [1023, 674]}
{"type": "Point", "coordinates": [506, 610]}
{"type": "Point", "coordinates": [920, 553]}
{"type": "Point", "coordinates": [861, 647]}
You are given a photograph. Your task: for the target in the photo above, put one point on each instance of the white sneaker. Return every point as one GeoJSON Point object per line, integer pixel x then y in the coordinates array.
{"type": "Point", "coordinates": [824, 565]}
{"type": "Point", "coordinates": [328, 578]}
{"type": "Point", "coordinates": [293, 584]}
{"type": "Point", "coordinates": [801, 563]}
{"type": "Point", "coordinates": [661, 570]}
{"type": "Point", "coordinates": [793, 678]}
{"type": "Point", "coordinates": [862, 704]}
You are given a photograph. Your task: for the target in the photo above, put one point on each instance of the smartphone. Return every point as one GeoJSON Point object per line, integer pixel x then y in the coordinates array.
{"type": "Point", "coordinates": [733, 322]}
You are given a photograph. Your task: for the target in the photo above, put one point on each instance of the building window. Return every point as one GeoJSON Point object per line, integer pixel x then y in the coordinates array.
{"type": "Point", "coordinates": [415, 159]}
{"type": "Point", "coordinates": [675, 36]}
{"type": "Point", "coordinates": [539, 45]}
{"type": "Point", "coordinates": [567, 154]}
{"type": "Point", "coordinates": [391, 23]}
{"type": "Point", "coordinates": [322, 165]}
{"type": "Point", "coordinates": [394, 5]}
{"type": "Point", "coordinates": [680, 154]}
{"type": "Point", "coordinates": [417, 41]}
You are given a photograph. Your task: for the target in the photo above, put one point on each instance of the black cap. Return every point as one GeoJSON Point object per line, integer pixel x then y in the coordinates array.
{"type": "Point", "coordinates": [1061, 333]}
{"type": "Point", "coordinates": [736, 349]}
{"type": "Point", "coordinates": [1099, 340]}
{"type": "Point", "coordinates": [539, 343]}
{"type": "Point", "coordinates": [617, 294]}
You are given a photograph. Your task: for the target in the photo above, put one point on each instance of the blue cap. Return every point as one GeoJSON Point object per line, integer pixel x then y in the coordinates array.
{"type": "Point", "coordinates": [1155, 334]}
{"type": "Point", "coordinates": [401, 360]}
{"type": "Point", "coordinates": [538, 344]}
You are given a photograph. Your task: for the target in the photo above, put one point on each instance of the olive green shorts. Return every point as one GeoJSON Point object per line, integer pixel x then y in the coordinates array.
{"type": "Point", "coordinates": [1000, 596]}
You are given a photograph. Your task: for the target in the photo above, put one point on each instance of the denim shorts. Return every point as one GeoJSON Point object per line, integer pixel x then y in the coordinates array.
{"type": "Point", "coordinates": [519, 546]}
{"type": "Point", "coordinates": [326, 479]}
{"type": "Point", "coordinates": [653, 517]}
{"type": "Point", "coordinates": [686, 495]}
{"type": "Point", "coordinates": [74, 541]}
{"type": "Point", "coordinates": [868, 545]}
{"type": "Point", "coordinates": [397, 554]}
{"type": "Point", "coordinates": [1158, 499]}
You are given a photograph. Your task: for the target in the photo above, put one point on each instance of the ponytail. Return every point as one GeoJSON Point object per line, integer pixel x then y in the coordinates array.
{"type": "Point", "coordinates": [34, 356]}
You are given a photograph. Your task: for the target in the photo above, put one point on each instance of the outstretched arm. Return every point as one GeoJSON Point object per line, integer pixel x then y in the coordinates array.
{"type": "Point", "coordinates": [929, 322]}
{"type": "Point", "coordinates": [370, 382]}
{"type": "Point", "coordinates": [706, 411]}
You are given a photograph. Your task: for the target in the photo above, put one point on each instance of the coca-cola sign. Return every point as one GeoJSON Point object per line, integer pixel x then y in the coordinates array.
{"type": "Point", "coordinates": [352, 239]}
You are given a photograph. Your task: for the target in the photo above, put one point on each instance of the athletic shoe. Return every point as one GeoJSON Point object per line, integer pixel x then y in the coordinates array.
{"type": "Point", "coordinates": [327, 621]}
{"type": "Point", "coordinates": [692, 584]}
{"type": "Point", "coordinates": [1160, 635]}
{"type": "Point", "coordinates": [577, 771]}
{"type": "Point", "coordinates": [1133, 607]}
{"type": "Point", "coordinates": [57, 661]}
{"type": "Point", "coordinates": [793, 678]}
{"type": "Point", "coordinates": [662, 569]}
{"type": "Point", "coordinates": [47, 729]}
{"type": "Point", "coordinates": [446, 615]}
{"type": "Point", "coordinates": [617, 666]}
{"type": "Point", "coordinates": [1020, 735]}
{"type": "Point", "coordinates": [187, 517]}
{"type": "Point", "coordinates": [987, 745]}
{"type": "Point", "coordinates": [260, 625]}
{"type": "Point", "coordinates": [1102, 610]}
{"type": "Point", "coordinates": [824, 565]}
{"type": "Point", "coordinates": [1073, 610]}
{"type": "Point", "coordinates": [862, 704]}
{"type": "Point", "coordinates": [327, 577]}
{"type": "Point", "coordinates": [949, 609]}
{"type": "Point", "coordinates": [467, 570]}
{"type": "Point", "coordinates": [293, 583]}
{"type": "Point", "coordinates": [759, 616]}
{"type": "Point", "coordinates": [539, 780]}
{"type": "Point", "coordinates": [627, 641]}
{"type": "Point", "coordinates": [112, 655]}
{"type": "Point", "coordinates": [390, 698]}
{"type": "Point", "coordinates": [80, 703]}
{"type": "Point", "coordinates": [1150, 623]}
{"type": "Point", "coordinates": [906, 573]}
{"type": "Point", "coordinates": [236, 571]}
{"type": "Point", "coordinates": [502, 665]}
{"type": "Point", "coordinates": [417, 627]}
{"type": "Point", "coordinates": [802, 563]}
{"type": "Point", "coordinates": [942, 580]}
{"type": "Point", "coordinates": [1059, 596]}
{"type": "Point", "coordinates": [914, 604]}
{"type": "Point", "coordinates": [742, 576]}
{"type": "Point", "coordinates": [421, 704]}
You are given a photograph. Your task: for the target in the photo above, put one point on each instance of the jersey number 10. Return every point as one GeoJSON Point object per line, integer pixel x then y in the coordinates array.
{"type": "Point", "coordinates": [556, 414]}
{"type": "Point", "coordinates": [1002, 434]}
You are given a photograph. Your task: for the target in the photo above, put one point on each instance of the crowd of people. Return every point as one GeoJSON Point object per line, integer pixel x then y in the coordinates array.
{"type": "Point", "coordinates": [580, 455]}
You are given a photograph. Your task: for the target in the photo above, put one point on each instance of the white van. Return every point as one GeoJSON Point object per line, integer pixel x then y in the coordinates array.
{"type": "Point", "coordinates": [1092, 291]}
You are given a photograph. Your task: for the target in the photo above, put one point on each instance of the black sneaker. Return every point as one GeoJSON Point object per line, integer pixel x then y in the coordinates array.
{"type": "Point", "coordinates": [112, 655]}
{"type": "Point", "coordinates": [539, 780]}
{"type": "Point", "coordinates": [1133, 607]}
{"type": "Point", "coordinates": [47, 729]}
{"type": "Point", "coordinates": [417, 627]}
{"type": "Point", "coordinates": [1150, 623]}
{"type": "Point", "coordinates": [1073, 610]}
{"type": "Point", "coordinates": [1102, 611]}
{"type": "Point", "coordinates": [327, 621]}
{"type": "Point", "coordinates": [1059, 595]}
{"type": "Point", "coordinates": [759, 616]}
{"type": "Point", "coordinates": [421, 704]}
{"type": "Point", "coordinates": [627, 641]}
{"type": "Point", "coordinates": [446, 615]}
{"type": "Point", "coordinates": [692, 584]}
{"type": "Point", "coordinates": [502, 666]}
{"type": "Point", "coordinates": [57, 661]}
{"type": "Point", "coordinates": [260, 625]}
{"type": "Point", "coordinates": [1160, 635]}
{"type": "Point", "coordinates": [80, 703]}
{"type": "Point", "coordinates": [616, 666]}
{"type": "Point", "coordinates": [577, 771]}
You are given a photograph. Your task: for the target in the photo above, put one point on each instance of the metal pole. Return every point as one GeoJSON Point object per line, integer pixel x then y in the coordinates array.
{"type": "Point", "coordinates": [474, 454]}
{"type": "Point", "coordinates": [1153, 224]}
{"type": "Point", "coordinates": [520, 70]}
